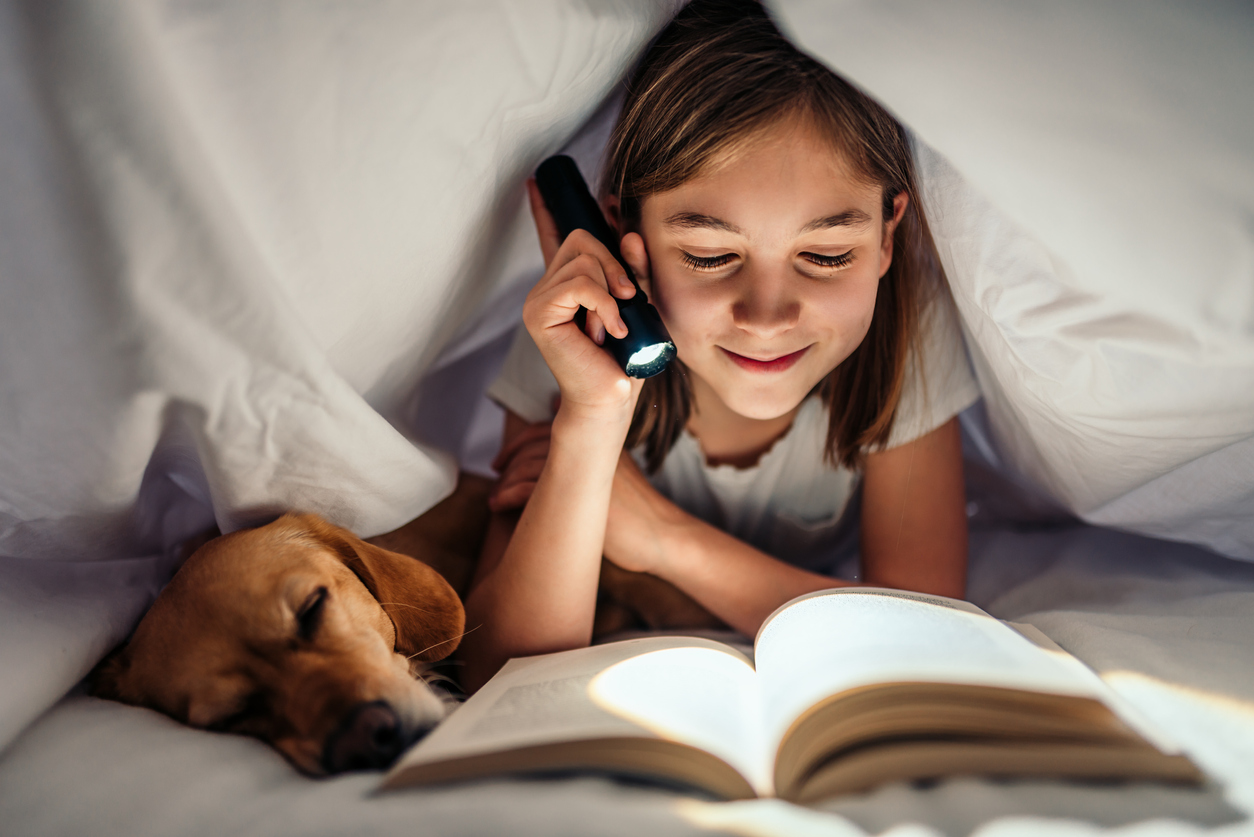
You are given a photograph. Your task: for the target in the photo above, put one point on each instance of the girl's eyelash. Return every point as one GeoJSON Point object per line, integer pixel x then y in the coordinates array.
{"type": "Point", "coordinates": [830, 261]}
{"type": "Point", "coordinates": [715, 262]}
{"type": "Point", "coordinates": [707, 263]}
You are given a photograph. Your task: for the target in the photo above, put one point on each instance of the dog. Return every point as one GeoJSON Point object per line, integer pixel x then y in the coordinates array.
{"type": "Point", "coordinates": [305, 636]}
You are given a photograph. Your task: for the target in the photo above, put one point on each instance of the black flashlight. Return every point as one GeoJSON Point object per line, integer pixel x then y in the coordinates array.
{"type": "Point", "coordinates": [647, 348]}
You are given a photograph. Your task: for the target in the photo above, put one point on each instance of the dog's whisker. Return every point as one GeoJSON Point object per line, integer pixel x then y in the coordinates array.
{"type": "Point", "coordinates": [442, 642]}
{"type": "Point", "coordinates": [405, 604]}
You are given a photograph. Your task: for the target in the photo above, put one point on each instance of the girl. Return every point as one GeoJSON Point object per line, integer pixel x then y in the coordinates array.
{"type": "Point", "coordinates": [769, 211]}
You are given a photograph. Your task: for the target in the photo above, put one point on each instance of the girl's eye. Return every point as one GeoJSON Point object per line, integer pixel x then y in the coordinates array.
{"type": "Point", "coordinates": [707, 262]}
{"type": "Point", "coordinates": [829, 261]}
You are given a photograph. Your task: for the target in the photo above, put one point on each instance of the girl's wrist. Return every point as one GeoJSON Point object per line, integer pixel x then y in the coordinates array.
{"type": "Point", "coordinates": [602, 422]}
{"type": "Point", "coordinates": [588, 440]}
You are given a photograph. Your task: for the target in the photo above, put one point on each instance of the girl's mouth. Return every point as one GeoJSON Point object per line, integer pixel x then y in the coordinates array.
{"type": "Point", "coordinates": [776, 364]}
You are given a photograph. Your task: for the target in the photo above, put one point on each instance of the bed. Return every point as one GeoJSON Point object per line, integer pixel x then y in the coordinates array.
{"type": "Point", "coordinates": [257, 256]}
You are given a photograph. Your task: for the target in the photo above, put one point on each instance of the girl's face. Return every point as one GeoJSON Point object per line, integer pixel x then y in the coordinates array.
{"type": "Point", "coordinates": [765, 268]}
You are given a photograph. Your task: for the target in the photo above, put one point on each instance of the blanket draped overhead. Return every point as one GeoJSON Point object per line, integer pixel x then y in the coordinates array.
{"type": "Point", "coordinates": [235, 236]}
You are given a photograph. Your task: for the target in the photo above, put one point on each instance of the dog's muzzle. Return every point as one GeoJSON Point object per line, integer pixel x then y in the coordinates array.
{"type": "Point", "coordinates": [370, 737]}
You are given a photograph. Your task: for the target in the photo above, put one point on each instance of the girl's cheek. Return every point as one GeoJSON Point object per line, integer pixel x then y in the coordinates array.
{"type": "Point", "coordinates": [690, 312]}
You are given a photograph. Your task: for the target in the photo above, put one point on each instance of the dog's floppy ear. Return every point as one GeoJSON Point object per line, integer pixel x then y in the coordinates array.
{"type": "Point", "coordinates": [428, 616]}
{"type": "Point", "coordinates": [105, 680]}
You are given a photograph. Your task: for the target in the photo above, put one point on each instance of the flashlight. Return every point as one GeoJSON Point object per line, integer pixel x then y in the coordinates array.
{"type": "Point", "coordinates": [647, 348]}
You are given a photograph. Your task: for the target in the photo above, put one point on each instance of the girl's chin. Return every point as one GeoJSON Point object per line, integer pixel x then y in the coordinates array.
{"type": "Point", "coordinates": [765, 406]}
{"type": "Point", "coordinates": [752, 395]}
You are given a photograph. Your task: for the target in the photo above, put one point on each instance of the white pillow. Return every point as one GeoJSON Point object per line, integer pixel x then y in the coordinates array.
{"type": "Point", "coordinates": [1096, 228]}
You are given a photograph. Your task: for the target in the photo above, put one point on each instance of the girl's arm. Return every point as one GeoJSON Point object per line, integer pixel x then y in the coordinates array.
{"type": "Point", "coordinates": [914, 536]}
{"type": "Point", "coordinates": [914, 520]}
{"type": "Point", "coordinates": [741, 585]}
{"type": "Point", "coordinates": [540, 595]}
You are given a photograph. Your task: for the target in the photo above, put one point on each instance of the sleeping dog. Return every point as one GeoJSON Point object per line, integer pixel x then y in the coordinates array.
{"type": "Point", "coordinates": [303, 635]}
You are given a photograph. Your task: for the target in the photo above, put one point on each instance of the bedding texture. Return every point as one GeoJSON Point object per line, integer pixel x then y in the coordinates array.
{"type": "Point", "coordinates": [1089, 174]}
{"type": "Point", "coordinates": [233, 236]}
{"type": "Point", "coordinates": [262, 256]}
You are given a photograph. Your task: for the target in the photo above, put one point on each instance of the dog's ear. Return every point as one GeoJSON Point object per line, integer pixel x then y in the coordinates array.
{"type": "Point", "coordinates": [427, 614]}
{"type": "Point", "coordinates": [105, 680]}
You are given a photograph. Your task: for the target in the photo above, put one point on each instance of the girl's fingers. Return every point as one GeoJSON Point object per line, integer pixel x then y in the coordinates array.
{"type": "Point", "coordinates": [514, 497]}
{"type": "Point", "coordinates": [557, 305]}
{"type": "Point", "coordinates": [519, 477]}
{"type": "Point", "coordinates": [546, 227]}
{"type": "Point", "coordinates": [528, 435]}
{"type": "Point", "coordinates": [582, 246]}
{"type": "Point", "coordinates": [594, 328]}
{"type": "Point", "coordinates": [527, 465]}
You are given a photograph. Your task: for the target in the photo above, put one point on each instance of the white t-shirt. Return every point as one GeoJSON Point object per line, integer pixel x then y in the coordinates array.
{"type": "Point", "coordinates": [789, 504]}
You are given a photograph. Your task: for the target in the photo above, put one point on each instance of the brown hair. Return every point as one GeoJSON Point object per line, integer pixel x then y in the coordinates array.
{"type": "Point", "coordinates": [716, 77]}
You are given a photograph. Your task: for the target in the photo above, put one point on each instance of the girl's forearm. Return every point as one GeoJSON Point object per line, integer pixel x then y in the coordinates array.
{"type": "Point", "coordinates": [541, 595]}
{"type": "Point", "coordinates": [736, 582]}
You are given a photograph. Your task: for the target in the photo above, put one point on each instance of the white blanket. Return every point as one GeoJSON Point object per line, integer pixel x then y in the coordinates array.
{"type": "Point", "coordinates": [1167, 625]}
{"type": "Point", "coordinates": [257, 256]}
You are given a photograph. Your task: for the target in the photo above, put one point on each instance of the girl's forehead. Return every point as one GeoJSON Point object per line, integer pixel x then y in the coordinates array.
{"type": "Point", "coordinates": [786, 174]}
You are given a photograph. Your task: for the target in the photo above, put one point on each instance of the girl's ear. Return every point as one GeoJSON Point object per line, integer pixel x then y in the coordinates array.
{"type": "Point", "coordinates": [612, 207]}
{"type": "Point", "coordinates": [637, 258]}
{"type": "Point", "coordinates": [900, 202]}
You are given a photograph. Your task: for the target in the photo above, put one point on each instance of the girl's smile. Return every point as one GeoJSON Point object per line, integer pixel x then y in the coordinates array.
{"type": "Point", "coordinates": [775, 364]}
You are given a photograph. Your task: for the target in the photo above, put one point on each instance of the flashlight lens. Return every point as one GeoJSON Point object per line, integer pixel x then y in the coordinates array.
{"type": "Point", "coordinates": [652, 359]}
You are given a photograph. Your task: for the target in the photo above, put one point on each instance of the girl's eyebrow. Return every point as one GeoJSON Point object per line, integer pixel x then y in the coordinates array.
{"type": "Point", "coordinates": [848, 218]}
{"type": "Point", "coordinates": [694, 220]}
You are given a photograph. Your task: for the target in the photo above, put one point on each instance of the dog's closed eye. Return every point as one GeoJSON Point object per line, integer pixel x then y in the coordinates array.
{"type": "Point", "coordinates": [309, 617]}
{"type": "Point", "coordinates": [253, 708]}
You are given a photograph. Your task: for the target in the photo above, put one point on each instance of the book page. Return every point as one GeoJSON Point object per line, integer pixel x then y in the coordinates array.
{"type": "Point", "coordinates": [685, 689]}
{"type": "Point", "coordinates": [835, 640]}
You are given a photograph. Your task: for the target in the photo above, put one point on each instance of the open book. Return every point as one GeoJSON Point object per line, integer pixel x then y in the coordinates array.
{"type": "Point", "coordinates": [846, 689]}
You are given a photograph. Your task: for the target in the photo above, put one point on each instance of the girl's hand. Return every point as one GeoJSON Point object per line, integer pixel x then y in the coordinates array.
{"type": "Point", "coordinates": [581, 272]}
{"type": "Point", "coordinates": [519, 464]}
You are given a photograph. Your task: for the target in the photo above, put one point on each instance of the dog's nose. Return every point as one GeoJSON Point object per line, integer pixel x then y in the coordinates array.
{"type": "Point", "coordinates": [369, 738]}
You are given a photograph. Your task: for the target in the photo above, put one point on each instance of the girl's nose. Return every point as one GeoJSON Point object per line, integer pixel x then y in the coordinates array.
{"type": "Point", "coordinates": [766, 305]}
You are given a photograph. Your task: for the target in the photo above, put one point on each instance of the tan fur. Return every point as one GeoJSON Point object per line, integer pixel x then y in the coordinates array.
{"type": "Point", "coordinates": [222, 648]}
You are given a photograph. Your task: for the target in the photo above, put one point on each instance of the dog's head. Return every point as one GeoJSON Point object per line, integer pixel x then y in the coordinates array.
{"type": "Point", "coordinates": [298, 633]}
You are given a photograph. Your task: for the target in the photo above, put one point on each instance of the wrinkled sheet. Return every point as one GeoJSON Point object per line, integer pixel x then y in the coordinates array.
{"type": "Point", "coordinates": [233, 239]}
{"type": "Point", "coordinates": [260, 256]}
{"type": "Point", "coordinates": [1169, 626]}
{"type": "Point", "coordinates": [1098, 241]}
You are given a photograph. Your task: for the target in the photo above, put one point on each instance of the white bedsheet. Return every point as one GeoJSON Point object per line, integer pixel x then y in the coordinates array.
{"type": "Point", "coordinates": [1168, 625]}
{"type": "Point", "coordinates": [1098, 237]}
{"type": "Point", "coordinates": [235, 236]}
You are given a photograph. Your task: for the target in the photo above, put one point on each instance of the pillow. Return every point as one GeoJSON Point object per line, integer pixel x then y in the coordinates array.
{"type": "Point", "coordinates": [1088, 170]}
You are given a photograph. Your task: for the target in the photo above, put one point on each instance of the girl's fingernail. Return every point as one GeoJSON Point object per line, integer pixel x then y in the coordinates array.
{"type": "Point", "coordinates": [600, 335]}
